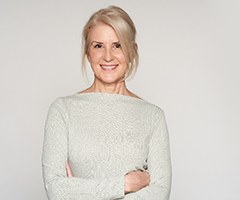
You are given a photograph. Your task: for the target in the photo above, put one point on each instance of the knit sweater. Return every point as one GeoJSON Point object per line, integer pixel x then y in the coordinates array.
{"type": "Point", "coordinates": [103, 136]}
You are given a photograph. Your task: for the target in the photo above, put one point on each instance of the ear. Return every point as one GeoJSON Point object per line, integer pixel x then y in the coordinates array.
{"type": "Point", "coordinates": [135, 46]}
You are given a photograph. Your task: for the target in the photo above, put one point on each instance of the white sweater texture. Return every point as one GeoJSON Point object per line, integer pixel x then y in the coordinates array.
{"type": "Point", "coordinates": [103, 136]}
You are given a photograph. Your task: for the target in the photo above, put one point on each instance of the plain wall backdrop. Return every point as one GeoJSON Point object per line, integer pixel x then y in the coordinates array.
{"type": "Point", "coordinates": [189, 66]}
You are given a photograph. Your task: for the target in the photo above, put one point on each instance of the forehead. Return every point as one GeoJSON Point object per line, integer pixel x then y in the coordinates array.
{"type": "Point", "coordinates": [102, 33]}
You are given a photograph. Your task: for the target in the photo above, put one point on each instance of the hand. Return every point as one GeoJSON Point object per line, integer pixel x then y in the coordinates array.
{"type": "Point", "coordinates": [69, 171]}
{"type": "Point", "coordinates": [136, 180]}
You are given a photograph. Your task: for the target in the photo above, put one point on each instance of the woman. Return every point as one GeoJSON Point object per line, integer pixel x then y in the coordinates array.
{"type": "Point", "coordinates": [105, 142]}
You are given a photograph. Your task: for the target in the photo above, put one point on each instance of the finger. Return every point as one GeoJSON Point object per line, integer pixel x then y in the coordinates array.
{"type": "Point", "coordinates": [69, 172]}
{"type": "Point", "coordinates": [146, 172]}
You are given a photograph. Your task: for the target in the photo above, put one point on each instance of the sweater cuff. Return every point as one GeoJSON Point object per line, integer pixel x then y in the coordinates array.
{"type": "Point", "coordinates": [119, 187]}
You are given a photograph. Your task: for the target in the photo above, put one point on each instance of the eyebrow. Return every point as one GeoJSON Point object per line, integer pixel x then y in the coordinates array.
{"type": "Point", "coordinates": [96, 42]}
{"type": "Point", "coordinates": [102, 42]}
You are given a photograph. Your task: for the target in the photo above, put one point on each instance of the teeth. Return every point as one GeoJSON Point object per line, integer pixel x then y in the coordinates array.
{"type": "Point", "coordinates": [108, 67]}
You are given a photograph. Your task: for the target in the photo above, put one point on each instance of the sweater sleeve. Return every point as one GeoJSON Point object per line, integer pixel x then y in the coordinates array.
{"type": "Point", "coordinates": [159, 164]}
{"type": "Point", "coordinates": [54, 158]}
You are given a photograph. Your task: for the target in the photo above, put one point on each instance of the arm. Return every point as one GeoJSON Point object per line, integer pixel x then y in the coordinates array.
{"type": "Point", "coordinates": [54, 159]}
{"type": "Point", "coordinates": [159, 164]}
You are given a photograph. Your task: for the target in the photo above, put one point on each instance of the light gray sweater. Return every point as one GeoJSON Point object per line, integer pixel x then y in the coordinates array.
{"type": "Point", "coordinates": [103, 136]}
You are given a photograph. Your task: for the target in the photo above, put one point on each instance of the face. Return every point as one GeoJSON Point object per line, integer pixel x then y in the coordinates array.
{"type": "Point", "coordinates": [105, 54]}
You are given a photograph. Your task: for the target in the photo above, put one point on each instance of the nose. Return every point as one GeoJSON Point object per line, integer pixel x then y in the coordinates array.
{"type": "Point", "coordinates": [108, 55]}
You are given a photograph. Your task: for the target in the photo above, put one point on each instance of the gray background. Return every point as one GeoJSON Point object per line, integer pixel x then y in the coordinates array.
{"type": "Point", "coordinates": [189, 67]}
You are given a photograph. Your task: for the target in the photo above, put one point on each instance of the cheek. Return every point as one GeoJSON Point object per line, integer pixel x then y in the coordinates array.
{"type": "Point", "coordinates": [94, 57]}
{"type": "Point", "coordinates": [121, 59]}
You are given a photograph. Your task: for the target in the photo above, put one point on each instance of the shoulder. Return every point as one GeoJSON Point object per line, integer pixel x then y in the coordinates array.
{"type": "Point", "coordinates": [60, 103]}
{"type": "Point", "coordinates": [68, 103]}
{"type": "Point", "coordinates": [157, 111]}
{"type": "Point", "coordinates": [58, 108]}
{"type": "Point", "coordinates": [154, 107]}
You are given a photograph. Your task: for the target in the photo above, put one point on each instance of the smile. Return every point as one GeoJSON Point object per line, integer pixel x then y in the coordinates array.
{"type": "Point", "coordinates": [108, 67]}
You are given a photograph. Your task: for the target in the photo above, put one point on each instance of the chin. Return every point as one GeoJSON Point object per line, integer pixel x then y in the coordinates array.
{"type": "Point", "coordinates": [110, 79]}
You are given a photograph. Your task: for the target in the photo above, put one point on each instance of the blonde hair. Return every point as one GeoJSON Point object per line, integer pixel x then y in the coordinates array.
{"type": "Point", "coordinates": [125, 30]}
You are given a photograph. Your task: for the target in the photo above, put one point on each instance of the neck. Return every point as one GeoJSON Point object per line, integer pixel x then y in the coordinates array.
{"type": "Point", "coordinates": [118, 87]}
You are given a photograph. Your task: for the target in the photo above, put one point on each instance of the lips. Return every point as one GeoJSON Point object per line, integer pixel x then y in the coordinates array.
{"type": "Point", "coordinates": [109, 67]}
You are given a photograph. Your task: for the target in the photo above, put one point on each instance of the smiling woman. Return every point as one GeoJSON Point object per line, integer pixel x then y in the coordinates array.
{"type": "Point", "coordinates": [105, 54]}
{"type": "Point", "coordinates": [121, 30]}
{"type": "Point", "coordinates": [105, 142]}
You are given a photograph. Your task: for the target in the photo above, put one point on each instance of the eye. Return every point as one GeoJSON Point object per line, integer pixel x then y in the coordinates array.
{"type": "Point", "coordinates": [98, 46]}
{"type": "Point", "coordinates": [117, 45]}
